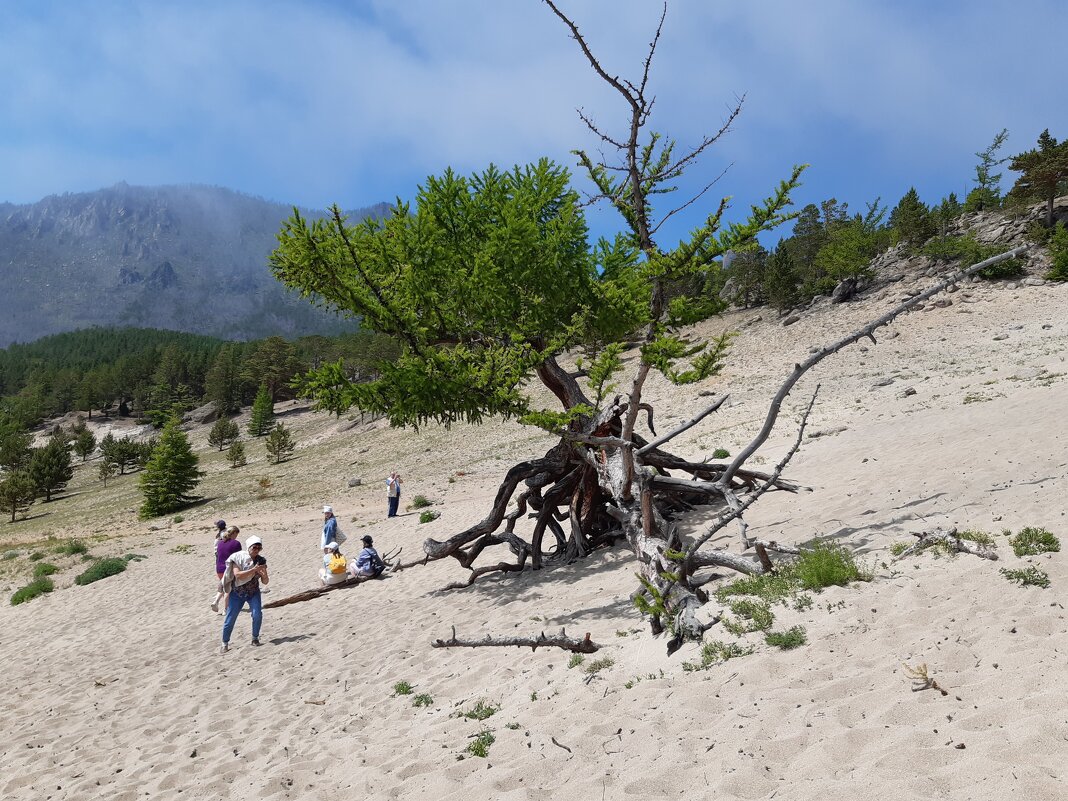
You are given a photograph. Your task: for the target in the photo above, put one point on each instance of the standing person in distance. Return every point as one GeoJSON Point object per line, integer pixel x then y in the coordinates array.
{"type": "Point", "coordinates": [225, 547]}
{"type": "Point", "coordinates": [244, 572]}
{"type": "Point", "coordinates": [393, 491]}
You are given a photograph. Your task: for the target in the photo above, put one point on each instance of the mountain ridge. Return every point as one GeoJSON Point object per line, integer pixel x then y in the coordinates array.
{"type": "Point", "coordinates": [183, 257]}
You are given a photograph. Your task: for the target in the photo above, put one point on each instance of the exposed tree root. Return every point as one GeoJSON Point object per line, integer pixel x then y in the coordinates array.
{"type": "Point", "coordinates": [561, 640]}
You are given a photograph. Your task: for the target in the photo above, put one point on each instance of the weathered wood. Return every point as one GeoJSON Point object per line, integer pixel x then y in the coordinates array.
{"type": "Point", "coordinates": [949, 539]}
{"type": "Point", "coordinates": [308, 595]}
{"type": "Point", "coordinates": [561, 640]}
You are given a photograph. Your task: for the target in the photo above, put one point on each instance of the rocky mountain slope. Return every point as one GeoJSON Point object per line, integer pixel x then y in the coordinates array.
{"type": "Point", "coordinates": [189, 258]}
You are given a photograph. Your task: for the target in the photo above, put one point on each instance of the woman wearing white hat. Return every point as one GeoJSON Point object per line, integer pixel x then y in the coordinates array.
{"type": "Point", "coordinates": [329, 527]}
{"type": "Point", "coordinates": [244, 572]}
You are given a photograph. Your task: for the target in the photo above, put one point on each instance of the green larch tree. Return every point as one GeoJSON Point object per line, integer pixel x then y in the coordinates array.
{"type": "Point", "coordinates": [171, 474]}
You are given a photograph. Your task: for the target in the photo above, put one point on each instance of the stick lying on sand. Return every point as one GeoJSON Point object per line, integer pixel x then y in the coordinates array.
{"type": "Point", "coordinates": [351, 581]}
{"type": "Point", "coordinates": [561, 640]}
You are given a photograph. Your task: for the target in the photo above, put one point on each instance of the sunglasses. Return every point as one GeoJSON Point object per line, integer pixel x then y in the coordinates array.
{"type": "Point", "coordinates": [255, 546]}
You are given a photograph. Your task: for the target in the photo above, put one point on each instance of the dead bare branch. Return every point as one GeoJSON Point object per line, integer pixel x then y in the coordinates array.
{"type": "Point", "coordinates": [561, 640]}
{"type": "Point", "coordinates": [948, 539]}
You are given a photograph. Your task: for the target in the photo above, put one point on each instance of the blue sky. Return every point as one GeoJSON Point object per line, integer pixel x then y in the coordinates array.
{"type": "Point", "coordinates": [316, 102]}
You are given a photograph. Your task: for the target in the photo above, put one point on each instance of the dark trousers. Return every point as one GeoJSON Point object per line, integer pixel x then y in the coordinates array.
{"type": "Point", "coordinates": [394, 502]}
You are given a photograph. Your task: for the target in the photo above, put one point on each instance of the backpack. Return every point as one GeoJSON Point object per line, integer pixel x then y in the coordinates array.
{"type": "Point", "coordinates": [338, 564]}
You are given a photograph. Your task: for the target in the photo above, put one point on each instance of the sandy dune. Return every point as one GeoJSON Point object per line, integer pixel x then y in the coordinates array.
{"type": "Point", "coordinates": [116, 690]}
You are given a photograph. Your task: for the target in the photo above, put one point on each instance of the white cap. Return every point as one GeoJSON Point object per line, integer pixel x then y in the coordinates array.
{"type": "Point", "coordinates": [252, 541]}
{"type": "Point", "coordinates": [331, 546]}
{"type": "Point", "coordinates": [328, 510]}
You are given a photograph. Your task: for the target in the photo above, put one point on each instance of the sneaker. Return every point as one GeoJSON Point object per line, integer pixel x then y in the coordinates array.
{"type": "Point", "coordinates": [225, 648]}
{"type": "Point", "coordinates": [255, 641]}
{"type": "Point", "coordinates": [214, 606]}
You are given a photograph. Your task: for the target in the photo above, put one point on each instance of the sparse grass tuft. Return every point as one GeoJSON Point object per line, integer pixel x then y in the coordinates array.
{"type": "Point", "coordinates": [597, 665]}
{"type": "Point", "coordinates": [828, 565]}
{"type": "Point", "coordinates": [39, 586]}
{"type": "Point", "coordinates": [480, 711]}
{"type": "Point", "coordinates": [715, 652]}
{"type": "Point", "coordinates": [575, 660]}
{"type": "Point", "coordinates": [42, 569]}
{"type": "Point", "coordinates": [898, 548]}
{"type": "Point", "coordinates": [184, 548]}
{"type": "Point", "coordinates": [428, 515]}
{"type": "Point", "coordinates": [1033, 541]}
{"type": "Point", "coordinates": [1027, 577]}
{"type": "Point", "coordinates": [101, 569]}
{"type": "Point", "coordinates": [402, 688]}
{"type": "Point", "coordinates": [423, 699]}
{"type": "Point", "coordinates": [72, 548]}
{"type": "Point", "coordinates": [480, 745]}
{"type": "Point", "coordinates": [753, 616]}
{"type": "Point", "coordinates": [36, 555]}
{"type": "Point", "coordinates": [420, 502]}
{"type": "Point", "coordinates": [791, 638]}
{"type": "Point", "coordinates": [513, 726]}
{"type": "Point", "coordinates": [978, 537]}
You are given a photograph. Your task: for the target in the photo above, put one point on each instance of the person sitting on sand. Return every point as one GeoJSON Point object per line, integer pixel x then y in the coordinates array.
{"type": "Point", "coordinates": [244, 572]}
{"type": "Point", "coordinates": [335, 566]}
{"type": "Point", "coordinates": [225, 547]}
{"type": "Point", "coordinates": [368, 564]}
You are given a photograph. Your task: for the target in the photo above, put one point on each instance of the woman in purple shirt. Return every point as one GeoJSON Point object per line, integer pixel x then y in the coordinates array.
{"type": "Point", "coordinates": [225, 546]}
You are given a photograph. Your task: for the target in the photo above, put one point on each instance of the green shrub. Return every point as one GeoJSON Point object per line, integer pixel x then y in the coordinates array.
{"type": "Point", "coordinates": [9, 555]}
{"type": "Point", "coordinates": [1058, 251]}
{"type": "Point", "coordinates": [42, 569]}
{"type": "Point", "coordinates": [72, 548]}
{"type": "Point", "coordinates": [39, 586]}
{"type": "Point", "coordinates": [423, 699]}
{"type": "Point", "coordinates": [480, 711]}
{"type": "Point", "coordinates": [753, 616]}
{"type": "Point", "coordinates": [575, 660]}
{"type": "Point", "coordinates": [597, 665]}
{"type": "Point", "coordinates": [791, 638]}
{"type": "Point", "coordinates": [428, 515]}
{"type": "Point", "coordinates": [402, 688]}
{"type": "Point", "coordinates": [714, 652]}
{"type": "Point", "coordinates": [479, 746]}
{"type": "Point", "coordinates": [36, 556]}
{"type": "Point", "coordinates": [968, 251]}
{"type": "Point", "coordinates": [178, 519]}
{"type": "Point", "coordinates": [101, 569]}
{"type": "Point", "coordinates": [979, 538]}
{"type": "Point", "coordinates": [1027, 577]}
{"type": "Point", "coordinates": [420, 502]}
{"type": "Point", "coordinates": [721, 453]}
{"type": "Point", "coordinates": [1033, 541]}
{"type": "Point", "coordinates": [827, 565]}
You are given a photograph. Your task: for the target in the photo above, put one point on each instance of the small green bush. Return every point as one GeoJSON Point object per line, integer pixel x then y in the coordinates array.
{"type": "Point", "coordinates": [753, 616]}
{"type": "Point", "coordinates": [575, 660]}
{"type": "Point", "coordinates": [1058, 251]}
{"type": "Point", "coordinates": [720, 453]}
{"type": "Point", "coordinates": [42, 569]}
{"type": "Point", "coordinates": [423, 699]}
{"type": "Point", "coordinates": [480, 711]}
{"type": "Point", "coordinates": [72, 548]}
{"type": "Point", "coordinates": [178, 519]}
{"type": "Point", "coordinates": [9, 555]}
{"type": "Point", "coordinates": [420, 502]}
{"type": "Point", "coordinates": [402, 688]}
{"type": "Point", "coordinates": [36, 555]}
{"type": "Point", "coordinates": [1027, 577]}
{"type": "Point", "coordinates": [791, 638]}
{"type": "Point", "coordinates": [597, 665]}
{"type": "Point", "coordinates": [480, 745]}
{"type": "Point", "coordinates": [1033, 541]}
{"type": "Point", "coordinates": [39, 586]}
{"type": "Point", "coordinates": [827, 565]}
{"type": "Point", "coordinates": [978, 537]}
{"type": "Point", "coordinates": [714, 652]}
{"type": "Point", "coordinates": [428, 515]}
{"type": "Point", "coordinates": [101, 569]}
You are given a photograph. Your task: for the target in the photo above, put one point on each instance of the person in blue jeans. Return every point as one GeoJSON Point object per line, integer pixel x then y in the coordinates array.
{"type": "Point", "coordinates": [244, 572]}
{"type": "Point", "coordinates": [393, 491]}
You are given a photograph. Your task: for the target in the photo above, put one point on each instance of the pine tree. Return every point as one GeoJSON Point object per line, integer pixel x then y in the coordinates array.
{"type": "Point", "coordinates": [1045, 172]}
{"type": "Point", "coordinates": [987, 192]}
{"type": "Point", "coordinates": [223, 433]}
{"type": "Point", "coordinates": [107, 470]}
{"type": "Point", "coordinates": [50, 467]}
{"type": "Point", "coordinates": [279, 444]}
{"type": "Point", "coordinates": [170, 475]}
{"type": "Point", "coordinates": [17, 492]}
{"type": "Point", "coordinates": [84, 443]}
{"type": "Point", "coordinates": [235, 455]}
{"type": "Point", "coordinates": [912, 220]}
{"type": "Point", "coordinates": [223, 382]}
{"type": "Point", "coordinates": [262, 413]}
{"type": "Point", "coordinates": [14, 446]}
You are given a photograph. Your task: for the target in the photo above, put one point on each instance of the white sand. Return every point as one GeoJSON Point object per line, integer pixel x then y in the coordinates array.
{"type": "Point", "coordinates": [116, 690]}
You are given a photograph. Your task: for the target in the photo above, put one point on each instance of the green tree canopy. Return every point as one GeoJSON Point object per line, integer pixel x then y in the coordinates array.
{"type": "Point", "coordinates": [1045, 172]}
{"type": "Point", "coordinates": [171, 474]}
